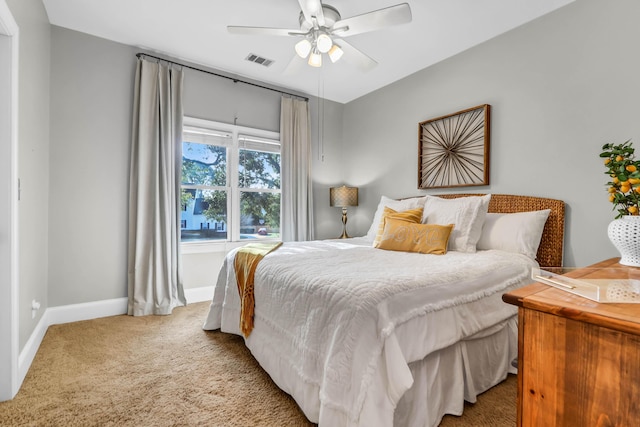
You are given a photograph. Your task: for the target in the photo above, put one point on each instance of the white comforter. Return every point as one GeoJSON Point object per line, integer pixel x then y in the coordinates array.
{"type": "Point", "coordinates": [329, 318]}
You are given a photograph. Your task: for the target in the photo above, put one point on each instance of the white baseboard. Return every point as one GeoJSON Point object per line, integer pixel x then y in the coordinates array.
{"type": "Point", "coordinates": [85, 311]}
{"type": "Point", "coordinates": [31, 347]}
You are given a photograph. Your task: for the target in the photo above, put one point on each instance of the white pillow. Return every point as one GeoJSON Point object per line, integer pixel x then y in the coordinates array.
{"type": "Point", "coordinates": [467, 215]}
{"type": "Point", "coordinates": [515, 232]}
{"type": "Point", "coordinates": [396, 205]}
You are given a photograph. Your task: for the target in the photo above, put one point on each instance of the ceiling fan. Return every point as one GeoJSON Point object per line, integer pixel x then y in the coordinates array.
{"type": "Point", "coordinates": [322, 30]}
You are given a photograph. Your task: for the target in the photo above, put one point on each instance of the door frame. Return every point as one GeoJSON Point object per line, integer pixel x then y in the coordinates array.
{"type": "Point", "coordinates": [9, 194]}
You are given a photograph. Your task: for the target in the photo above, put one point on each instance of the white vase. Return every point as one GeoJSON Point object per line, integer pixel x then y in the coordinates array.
{"type": "Point", "coordinates": [624, 233]}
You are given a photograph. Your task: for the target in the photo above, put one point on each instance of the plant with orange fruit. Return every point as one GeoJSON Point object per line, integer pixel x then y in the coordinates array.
{"type": "Point", "coordinates": [624, 173]}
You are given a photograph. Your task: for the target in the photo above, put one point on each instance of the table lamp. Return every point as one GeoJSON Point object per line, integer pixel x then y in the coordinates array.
{"type": "Point", "coordinates": [342, 197]}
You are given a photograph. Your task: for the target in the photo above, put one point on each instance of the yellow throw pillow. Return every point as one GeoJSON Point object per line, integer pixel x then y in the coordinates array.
{"type": "Point", "coordinates": [408, 236]}
{"type": "Point", "coordinates": [411, 215]}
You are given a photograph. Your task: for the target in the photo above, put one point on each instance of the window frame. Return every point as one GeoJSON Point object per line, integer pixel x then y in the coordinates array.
{"type": "Point", "coordinates": [236, 133]}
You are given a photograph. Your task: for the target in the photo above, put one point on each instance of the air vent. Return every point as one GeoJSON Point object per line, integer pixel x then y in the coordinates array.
{"type": "Point", "coordinates": [252, 57]}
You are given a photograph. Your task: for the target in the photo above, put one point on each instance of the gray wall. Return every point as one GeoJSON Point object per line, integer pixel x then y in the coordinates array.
{"type": "Point", "coordinates": [91, 107]}
{"type": "Point", "coordinates": [33, 159]}
{"type": "Point", "coordinates": [560, 87]}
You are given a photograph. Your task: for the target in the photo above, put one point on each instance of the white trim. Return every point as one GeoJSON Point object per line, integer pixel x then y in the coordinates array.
{"type": "Point", "coordinates": [224, 246]}
{"type": "Point", "coordinates": [111, 307]}
{"type": "Point", "coordinates": [9, 321]}
{"type": "Point", "coordinates": [86, 311]}
{"type": "Point", "coordinates": [30, 349]}
{"type": "Point", "coordinates": [226, 127]}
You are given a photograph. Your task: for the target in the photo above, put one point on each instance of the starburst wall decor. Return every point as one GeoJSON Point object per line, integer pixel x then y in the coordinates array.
{"type": "Point", "coordinates": [453, 150]}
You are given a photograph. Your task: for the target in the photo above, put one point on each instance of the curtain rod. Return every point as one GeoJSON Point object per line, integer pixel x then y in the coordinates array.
{"type": "Point", "coordinates": [235, 80]}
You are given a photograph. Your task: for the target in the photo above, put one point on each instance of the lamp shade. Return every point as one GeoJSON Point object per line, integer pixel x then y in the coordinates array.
{"type": "Point", "coordinates": [335, 53]}
{"type": "Point", "coordinates": [343, 196]}
{"type": "Point", "coordinates": [324, 43]}
{"type": "Point", "coordinates": [303, 47]}
{"type": "Point", "coordinates": [315, 59]}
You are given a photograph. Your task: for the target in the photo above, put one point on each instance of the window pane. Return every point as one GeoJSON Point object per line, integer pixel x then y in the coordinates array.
{"type": "Point", "coordinates": [259, 215]}
{"type": "Point", "coordinates": [204, 215]}
{"type": "Point", "coordinates": [204, 164]}
{"type": "Point", "coordinates": [258, 169]}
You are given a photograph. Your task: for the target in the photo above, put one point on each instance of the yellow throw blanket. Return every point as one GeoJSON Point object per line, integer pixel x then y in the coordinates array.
{"type": "Point", "coordinates": [245, 263]}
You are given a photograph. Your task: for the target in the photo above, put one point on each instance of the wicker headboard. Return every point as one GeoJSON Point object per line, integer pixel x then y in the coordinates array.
{"type": "Point", "coordinates": [552, 243]}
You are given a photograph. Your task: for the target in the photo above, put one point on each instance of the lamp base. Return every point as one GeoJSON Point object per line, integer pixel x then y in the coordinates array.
{"type": "Point", "coordinates": [344, 225]}
{"type": "Point", "coordinates": [344, 235]}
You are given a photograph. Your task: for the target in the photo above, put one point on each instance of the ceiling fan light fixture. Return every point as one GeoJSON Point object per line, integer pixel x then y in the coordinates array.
{"type": "Point", "coordinates": [315, 59]}
{"type": "Point", "coordinates": [320, 23]}
{"type": "Point", "coordinates": [335, 53]}
{"type": "Point", "coordinates": [324, 43]}
{"type": "Point", "coordinates": [303, 47]}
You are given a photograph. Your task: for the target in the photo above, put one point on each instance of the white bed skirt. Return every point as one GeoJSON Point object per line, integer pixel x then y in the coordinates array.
{"type": "Point", "coordinates": [459, 372]}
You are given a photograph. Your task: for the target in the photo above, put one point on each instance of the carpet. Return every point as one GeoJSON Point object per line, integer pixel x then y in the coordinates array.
{"type": "Point", "coordinates": [167, 371]}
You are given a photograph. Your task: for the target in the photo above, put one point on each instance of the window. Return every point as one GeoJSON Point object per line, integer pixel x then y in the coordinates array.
{"type": "Point", "coordinates": [230, 182]}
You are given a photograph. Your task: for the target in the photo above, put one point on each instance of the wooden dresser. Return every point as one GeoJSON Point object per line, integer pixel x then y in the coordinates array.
{"type": "Point", "coordinates": [579, 360]}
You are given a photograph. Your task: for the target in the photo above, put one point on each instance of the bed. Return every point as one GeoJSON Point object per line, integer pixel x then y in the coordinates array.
{"type": "Point", "coordinates": [363, 336]}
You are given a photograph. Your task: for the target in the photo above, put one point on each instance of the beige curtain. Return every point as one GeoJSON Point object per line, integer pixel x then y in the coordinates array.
{"type": "Point", "coordinates": [297, 200]}
{"type": "Point", "coordinates": [154, 280]}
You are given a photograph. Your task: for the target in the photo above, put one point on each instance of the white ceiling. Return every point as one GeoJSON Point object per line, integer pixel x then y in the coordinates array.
{"type": "Point", "coordinates": [195, 31]}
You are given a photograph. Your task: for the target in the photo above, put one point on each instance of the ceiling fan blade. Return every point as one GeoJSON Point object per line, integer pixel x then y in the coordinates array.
{"type": "Point", "coordinates": [264, 31]}
{"type": "Point", "coordinates": [311, 9]}
{"type": "Point", "coordinates": [356, 57]}
{"type": "Point", "coordinates": [371, 21]}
